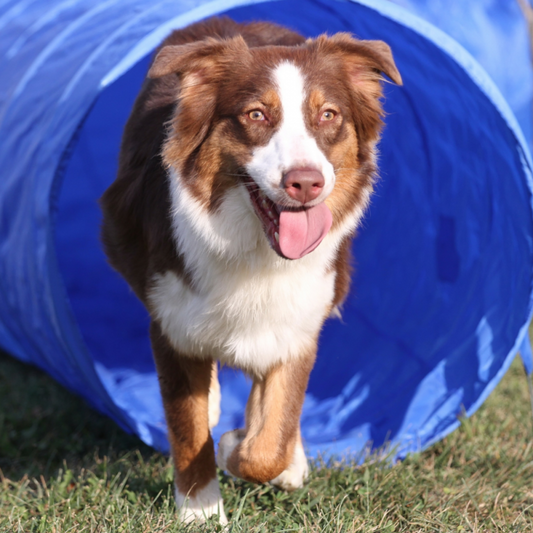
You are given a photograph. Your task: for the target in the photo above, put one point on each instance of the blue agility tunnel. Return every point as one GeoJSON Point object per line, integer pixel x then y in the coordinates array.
{"type": "Point", "coordinates": [442, 294]}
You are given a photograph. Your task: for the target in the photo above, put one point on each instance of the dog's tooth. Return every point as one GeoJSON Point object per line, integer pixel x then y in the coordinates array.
{"type": "Point", "coordinates": [276, 235]}
{"type": "Point", "coordinates": [270, 214]}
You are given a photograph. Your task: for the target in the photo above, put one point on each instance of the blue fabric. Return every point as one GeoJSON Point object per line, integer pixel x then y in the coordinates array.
{"type": "Point", "coordinates": [442, 294]}
{"type": "Point", "coordinates": [526, 353]}
{"type": "Point", "coordinates": [496, 33]}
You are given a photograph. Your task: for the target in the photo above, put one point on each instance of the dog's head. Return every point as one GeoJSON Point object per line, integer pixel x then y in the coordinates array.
{"type": "Point", "coordinates": [295, 127]}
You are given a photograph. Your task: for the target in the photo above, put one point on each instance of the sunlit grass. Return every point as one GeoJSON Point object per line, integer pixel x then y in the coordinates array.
{"type": "Point", "coordinates": [63, 468]}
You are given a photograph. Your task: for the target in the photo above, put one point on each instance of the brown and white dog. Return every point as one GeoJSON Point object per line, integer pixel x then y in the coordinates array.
{"type": "Point", "coordinates": [246, 165]}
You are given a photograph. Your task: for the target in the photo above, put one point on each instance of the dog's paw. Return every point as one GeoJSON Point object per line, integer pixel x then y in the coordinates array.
{"type": "Point", "coordinates": [227, 444]}
{"type": "Point", "coordinates": [204, 504]}
{"type": "Point", "coordinates": [295, 475]}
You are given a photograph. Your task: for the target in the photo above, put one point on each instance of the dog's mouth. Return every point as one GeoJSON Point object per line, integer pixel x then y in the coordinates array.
{"type": "Point", "coordinates": [292, 233]}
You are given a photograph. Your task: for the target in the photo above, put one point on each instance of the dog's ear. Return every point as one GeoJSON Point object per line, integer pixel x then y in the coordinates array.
{"type": "Point", "coordinates": [199, 66]}
{"type": "Point", "coordinates": [197, 57]}
{"type": "Point", "coordinates": [375, 56]}
{"type": "Point", "coordinates": [379, 56]}
{"type": "Point", "coordinates": [171, 59]}
{"type": "Point", "coordinates": [365, 65]}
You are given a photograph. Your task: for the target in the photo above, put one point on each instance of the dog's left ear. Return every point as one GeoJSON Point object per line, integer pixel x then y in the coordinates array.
{"type": "Point", "coordinates": [365, 63]}
{"type": "Point", "coordinates": [363, 57]}
{"type": "Point", "coordinates": [379, 54]}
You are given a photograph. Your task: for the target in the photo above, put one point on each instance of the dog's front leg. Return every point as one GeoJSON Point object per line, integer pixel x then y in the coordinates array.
{"type": "Point", "coordinates": [270, 448]}
{"type": "Point", "coordinates": [294, 476]}
{"type": "Point", "coordinates": [185, 384]}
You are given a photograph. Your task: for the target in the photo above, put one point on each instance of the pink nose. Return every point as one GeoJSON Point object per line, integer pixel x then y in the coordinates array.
{"type": "Point", "coordinates": [303, 184]}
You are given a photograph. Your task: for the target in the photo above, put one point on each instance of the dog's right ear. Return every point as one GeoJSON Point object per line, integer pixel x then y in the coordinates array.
{"type": "Point", "coordinates": [200, 57]}
{"type": "Point", "coordinates": [199, 66]}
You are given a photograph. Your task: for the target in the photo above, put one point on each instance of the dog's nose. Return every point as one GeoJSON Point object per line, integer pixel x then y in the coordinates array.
{"type": "Point", "coordinates": [303, 184]}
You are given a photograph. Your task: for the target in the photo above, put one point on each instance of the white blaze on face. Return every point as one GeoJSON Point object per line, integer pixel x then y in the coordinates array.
{"type": "Point", "coordinates": [292, 146]}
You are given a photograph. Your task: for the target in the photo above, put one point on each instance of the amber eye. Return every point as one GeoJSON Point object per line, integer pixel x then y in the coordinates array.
{"type": "Point", "coordinates": [256, 115]}
{"type": "Point", "coordinates": [328, 115]}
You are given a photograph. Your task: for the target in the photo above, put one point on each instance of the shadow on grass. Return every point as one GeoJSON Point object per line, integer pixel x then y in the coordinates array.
{"type": "Point", "coordinates": [43, 427]}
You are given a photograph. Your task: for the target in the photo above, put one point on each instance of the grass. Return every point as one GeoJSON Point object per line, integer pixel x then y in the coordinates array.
{"type": "Point", "coordinates": [65, 468]}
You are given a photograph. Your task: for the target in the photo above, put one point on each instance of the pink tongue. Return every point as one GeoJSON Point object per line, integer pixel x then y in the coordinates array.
{"type": "Point", "coordinates": [300, 232]}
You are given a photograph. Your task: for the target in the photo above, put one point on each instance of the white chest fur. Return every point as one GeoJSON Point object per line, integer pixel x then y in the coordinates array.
{"type": "Point", "coordinates": [248, 307]}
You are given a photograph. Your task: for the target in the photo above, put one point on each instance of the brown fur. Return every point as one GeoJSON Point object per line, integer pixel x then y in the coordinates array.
{"type": "Point", "coordinates": [272, 421]}
{"type": "Point", "coordinates": [136, 231]}
{"type": "Point", "coordinates": [184, 384]}
{"type": "Point", "coordinates": [191, 114]}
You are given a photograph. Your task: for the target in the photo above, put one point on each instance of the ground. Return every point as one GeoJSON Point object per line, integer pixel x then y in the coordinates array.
{"type": "Point", "coordinates": [65, 468]}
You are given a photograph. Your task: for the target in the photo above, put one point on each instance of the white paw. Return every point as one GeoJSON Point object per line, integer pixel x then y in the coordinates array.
{"type": "Point", "coordinates": [204, 504]}
{"type": "Point", "coordinates": [295, 475]}
{"type": "Point", "coordinates": [213, 414]}
{"type": "Point", "coordinates": [227, 444]}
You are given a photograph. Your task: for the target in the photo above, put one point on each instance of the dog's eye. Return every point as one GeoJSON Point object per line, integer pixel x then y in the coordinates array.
{"type": "Point", "coordinates": [256, 115]}
{"type": "Point", "coordinates": [328, 115]}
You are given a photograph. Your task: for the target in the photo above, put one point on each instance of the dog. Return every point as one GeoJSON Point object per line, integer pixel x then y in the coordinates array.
{"type": "Point", "coordinates": [245, 167]}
